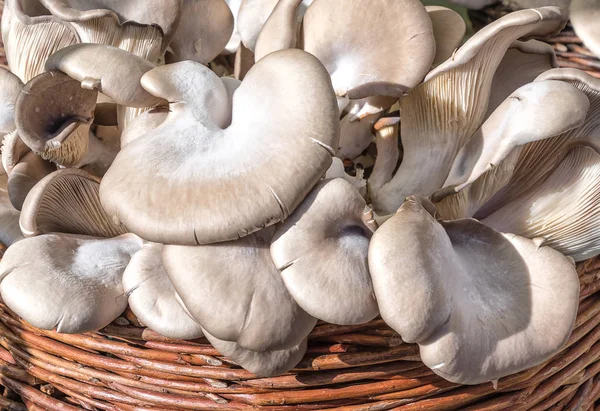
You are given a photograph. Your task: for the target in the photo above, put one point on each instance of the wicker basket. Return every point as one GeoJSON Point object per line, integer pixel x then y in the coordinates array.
{"type": "Point", "coordinates": [367, 367]}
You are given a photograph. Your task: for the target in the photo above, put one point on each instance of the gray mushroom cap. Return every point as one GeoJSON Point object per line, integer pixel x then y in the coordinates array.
{"type": "Point", "coordinates": [255, 308]}
{"type": "Point", "coordinates": [449, 29]}
{"type": "Point", "coordinates": [152, 297]}
{"type": "Point", "coordinates": [10, 87]}
{"type": "Point", "coordinates": [261, 363]}
{"type": "Point", "coordinates": [67, 282]}
{"type": "Point", "coordinates": [359, 64]}
{"type": "Point", "coordinates": [254, 165]}
{"type": "Point", "coordinates": [321, 251]}
{"type": "Point", "coordinates": [471, 297]}
{"type": "Point", "coordinates": [10, 232]}
{"type": "Point", "coordinates": [585, 15]}
{"type": "Point", "coordinates": [119, 80]}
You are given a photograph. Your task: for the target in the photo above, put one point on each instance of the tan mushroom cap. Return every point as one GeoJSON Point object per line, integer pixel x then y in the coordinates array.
{"type": "Point", "coordinates": [152, 297]}
{"type": "Point", "coordinates": [119, 80]}
{"type": "Point", "coordinates": [10, 232]}
{"type": "Point", "coordinates": [104, 145]}
{"type": "Point", "coordinates": [449, 29]}
{"type": "Point", "coordinates": [143, 124]}
{"type": "Point", "coordinates": [321, 250]}
{"type": "Point", "coordinates": [255, 308]}
{"type": "Point", "coordinates": [234, 41]}
{"type": "Point", "coordinates": [585, 16]}
{"type": "Point", "coordinates": [25, 175]}
{"type": "Point", "coordinates": [480, 304]}
{"type": "Point", "coordinates": [165, 14]}
{"type": "Point", "coordinates": [281, 29]}
{"type": "Point", "coordinates": [260, 363]}
{"type": "Point", "coordinates": [53, 114]}
{"type": "Point", "coordinates": [564, 209]}
{"type": "Point", "coordinates": [252, 16]}
{"type": "Point", "coordinates": [360, 65]}
{"type": "Point", "coordinates": [10, 87]}
{"type": "Point", "coordinates": [67, 201]}
{"type": "Point", "coordinates": [31, 35]}
{"type": "Point", "coordinates": [203, 32]}
{"type": "Point", "coordinates": [440, 115]}
{"type": "Point", "coordinates": [74, 284]}
{"type": "Point", "coordinates": [218, 184]}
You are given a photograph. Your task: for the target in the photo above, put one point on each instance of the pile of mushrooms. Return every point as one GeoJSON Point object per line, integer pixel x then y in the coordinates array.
{"type": "Point", "coordinates": [134, 175]}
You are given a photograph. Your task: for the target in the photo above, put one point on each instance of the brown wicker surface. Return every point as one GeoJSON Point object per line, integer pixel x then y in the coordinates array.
{"type": "Point", "coordinates": [367, 367]}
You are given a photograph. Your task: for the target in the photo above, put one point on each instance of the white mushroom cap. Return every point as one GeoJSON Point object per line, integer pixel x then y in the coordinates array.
{"type": "Point", "coordinates": [255, 308]}
{"type": "Point", "coordinates": [10, 87]}
{"type": "Point", "coordinates": [321, 251]}
{"type": "Point", "coordinates": [234, 40]}
{"type": "Point", "coordinates": [354, 39]}
{"type": "Point", "coordinates": [152, 297]}
{"type": "Point", "coordinates": [68, 282]}
{"type": "Point", "coordinates": [480, 304]}
{"type": "Point", "coordinates": [449, 29]}
{"type": "Point", "coordinates": [209, 183]}
{"type": "Point", "coordinates": [10, 232]}
{"type": "Point", "coordinates": [252, 16]}
{"type": "Point", "coordinates": [261, 363]}
{"type": "Point", "coordinates": [203, 31]}
{"type": "Point", "coordinates": [440, 115]}
{"type": "Point", "coordinates": [585, 15]}
{"type": "Point", "coordinates": [281, 29]}
{"type": "Point", "coordinates": [143, 124]}
{"type": "Point", "coordinates": [67, 201]}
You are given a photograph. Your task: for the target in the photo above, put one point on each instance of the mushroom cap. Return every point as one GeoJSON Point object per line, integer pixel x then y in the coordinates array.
{"type": "Point", "coordinates": [234, 40]}
{"type": "Point", "coordinates": [13, 150]}
{"type": "Point", "coordinates": [585, 15]}
{"type": "Point", "coordinates": [449, 29]}
{"type": "Point", "coordinates": [143, 124]}
{"type": "Point", "coordinates": [50, 109]}
{"type": "Point", "coordinates": [152, 297]}
{"type": "Point", "coordinates": [165, 14]}
{"type": "Point", "coordinates": [119, 80]}
{"type": "Point", "coordinates": [252, 16]}
{"type": "Point", "coordinates": [473, 4]}
{"type": "Point", "coordinates": [210, 184]}
{"type": "Point", "coordinates": [203, 32]}
{"type": "Point", "coordinates": [321, 250]}
{"type": "Point", "coordinates": [68, 282]}
{"type": "Point", "coordinates": [10, 231]}
{"type": "Point", "coordinates": [280, 31]}
{"type": "Point", "coordinates": [25, 175]}
{"type": "Point", "coordinates": [10, 87]}
{"type": "Point", "coordinates": [260, 363]}
{"type": "Point", "coordinates": [480, 304]}
{"type": "Point", "coordinates": [67, 201]}
{"type": "Point", "coordinates": [255, 308]}
{"type": "Point", "coordinates": [360, 65]}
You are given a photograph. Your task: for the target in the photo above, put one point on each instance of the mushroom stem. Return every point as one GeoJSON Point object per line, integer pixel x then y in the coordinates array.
{"type": "Point", "coordinates": [386, 132]}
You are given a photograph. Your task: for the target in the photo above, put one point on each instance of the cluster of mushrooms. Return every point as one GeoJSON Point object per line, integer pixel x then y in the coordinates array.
{"type": "Point", "coordinates": [134, 175]}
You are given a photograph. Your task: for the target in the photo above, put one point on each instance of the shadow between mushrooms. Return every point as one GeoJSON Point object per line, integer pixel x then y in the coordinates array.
{"type": "Point", "coordinates": [480, 304]}
{"type": "Point", "coordinates": [225, 169]}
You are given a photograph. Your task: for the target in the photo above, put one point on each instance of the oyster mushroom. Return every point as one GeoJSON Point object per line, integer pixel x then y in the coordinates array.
{"type": "Point", "coordinates": [152, 297]}
{"type": "Point", "coordinates": [440, 115]}
{"type": "Point", "coordinates": [262, 180]}
{"type": "Point", "coordinates": [66, 282]}
{"type": "Point", "coordinates": [10, 232]}
{"type": "Point", "coordinates": [585, 15]}
{"type": "Point", "coordinates": [255, 309]}
{"type": "Point", "coordinates": [470, 296]}
{"type": "Point", "coordinates": [321, 250]}
{"type": "Point", "coordinates": [67, 201]}
{"type": "Point", "coordinates": [10, 87]}
{"type": "Point", "coordinates": [234, 41]}
{"type": "Point", "coordinates": [203, 31]}
{"type": "Point", "coordinates": [449, 29]}
{"type": "Point", "coordinates": [260, 363]}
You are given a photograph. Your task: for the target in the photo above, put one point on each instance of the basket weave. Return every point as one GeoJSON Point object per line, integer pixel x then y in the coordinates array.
{"type": "Point", "coordinates": [367, 367]}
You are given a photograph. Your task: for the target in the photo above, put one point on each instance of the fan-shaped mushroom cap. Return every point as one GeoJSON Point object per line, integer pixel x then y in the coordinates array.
{"type": "Point", "coordinates": [203, 32]}
{"type": "Point", "coordinates": [10, 232]}
{"type": "Point", "coordinates": [260, 363]}
{"type": "Point", "coordinates": [471, 297]}
{"type": "Point", "coordinates": [252, 16]}
{"type": "Point", "coordinates": [321, 250]}
{"type": "Point", "coordinates": [10, 87]}
{"type": "Point", "coordinates": [53, 114]}
{"type": "Point", "coordinates": [31, 35]}
{"type": "Point", "coordinates": [25, 175]}
{"type": "Point", "coordinates": [68, 282]}
{"type": "Point", "coordinates": [134, 25]}
{"type": "Point", "coordinates": [356, 135]}
{"type": "Point", "coordinates": [67, 201]}
{"type": "Point", "coordinates": [449, 29]}
{"type": "Point", "coordinates": [440, 115]}
{"type": "Point", "coordinates": [119, 80]}
{"type": "Point", "coordinates": [564, 209]}
{"type": "Point", "coordinates": [585, 15]}
{"type": "Point", "coordinates": [281, 29]}
{"type": "Point", "coordinates": [234, 40]}
{"type": "Point", "coordinates": [255, 166]}
{"type": "Point", "coordinates": [255, 308]}
{"type": "Point", "coordinates": [152, 297]}
{"type": "Point", "coordinates": [540, 158]}
{"type": "Point", "coordinates": [359, 62]}
{"type": "Point", "coordinates": [143, 124]}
